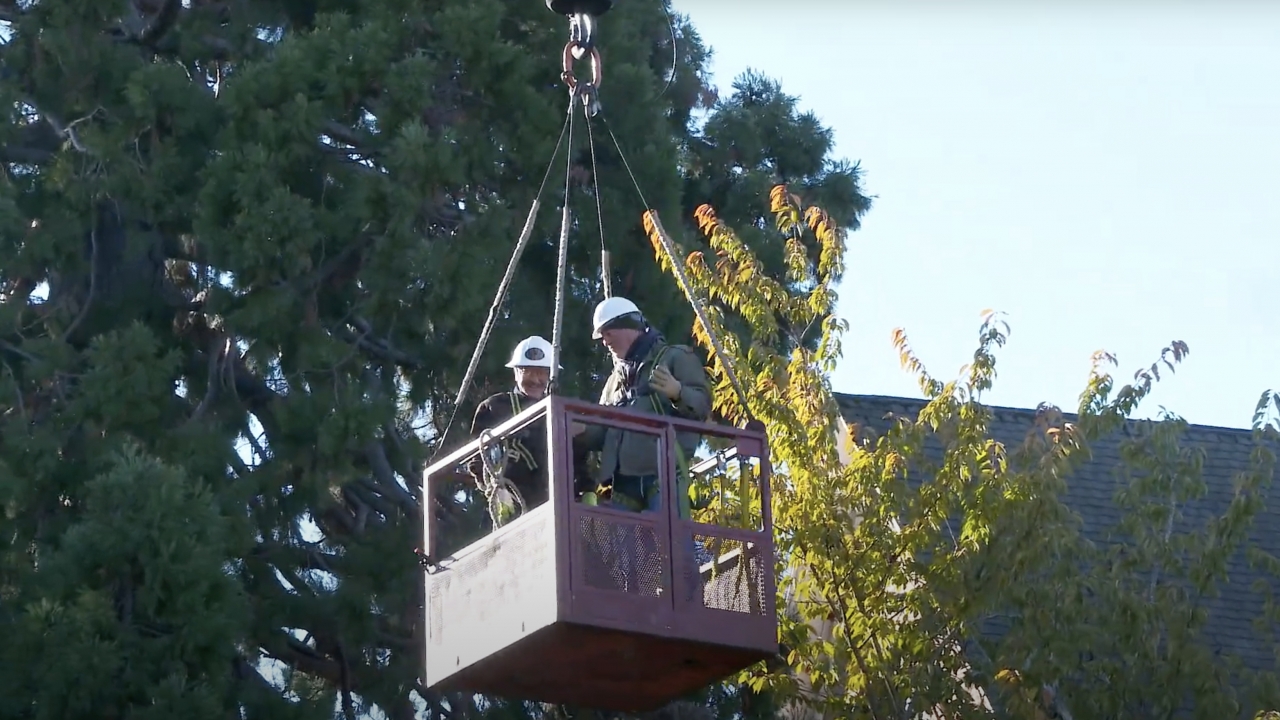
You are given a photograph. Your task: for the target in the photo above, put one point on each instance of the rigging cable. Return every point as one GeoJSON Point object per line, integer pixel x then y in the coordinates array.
{"type": "Point", "coordinates": [606, 274]}
{"type": "Point", "coordinates": [682, 279]}
{"type": "Point", "coordinates": [582, 44]}
{"type": "Point", "coordinates": [505, 285]}
{"type": "Point", "coordinates": [671, 25]}
{"type": "Point", "coordinates": [562, 261]}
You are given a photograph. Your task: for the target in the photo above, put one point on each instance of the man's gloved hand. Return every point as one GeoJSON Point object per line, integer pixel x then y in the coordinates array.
{"type": "Point", "coordinates": [664, 382]}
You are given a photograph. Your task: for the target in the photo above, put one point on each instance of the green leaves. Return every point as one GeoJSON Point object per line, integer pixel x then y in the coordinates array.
{"type": "Point", "coordinates": [127, 380]}
{"type": "Point", "coordinates": [927, 564]}
{"type": "Point", "coordinates": [134, 595]}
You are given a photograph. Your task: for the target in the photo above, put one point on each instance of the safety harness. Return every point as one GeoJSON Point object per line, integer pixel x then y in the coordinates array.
{"type": "Point", "coordinates": [684, 478]}
{"type": "Point", "coordinates": [504, 499]}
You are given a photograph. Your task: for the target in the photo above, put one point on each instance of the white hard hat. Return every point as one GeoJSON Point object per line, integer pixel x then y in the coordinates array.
{"type": "Point", "coordinates": [532, 351]}
{"type": "Point", "coordinates": [611, 309]}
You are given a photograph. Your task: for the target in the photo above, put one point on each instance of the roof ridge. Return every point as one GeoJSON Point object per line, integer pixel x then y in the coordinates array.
{"type": "Point", "coordinates": [1019, 413]}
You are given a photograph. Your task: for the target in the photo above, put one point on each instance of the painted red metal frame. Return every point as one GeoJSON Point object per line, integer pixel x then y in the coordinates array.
{"type": "Point", "coordinates": [682, 643]}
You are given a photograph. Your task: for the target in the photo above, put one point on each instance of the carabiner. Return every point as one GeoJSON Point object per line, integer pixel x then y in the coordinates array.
{"type": "Point", "coordinates": [573, 49]}
{"type": "Point", "coordinates": [589, 92]}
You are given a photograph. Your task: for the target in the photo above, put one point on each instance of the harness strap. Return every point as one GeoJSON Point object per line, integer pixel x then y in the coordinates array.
{"type": "Point", "coordinates": [517, 449]}
{"type": "Point", "coordinates": [684, 479]}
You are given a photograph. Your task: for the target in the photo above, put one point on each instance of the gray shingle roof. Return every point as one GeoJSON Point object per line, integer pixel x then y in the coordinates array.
{"type": "Point", "coordinates": [1090, 493]}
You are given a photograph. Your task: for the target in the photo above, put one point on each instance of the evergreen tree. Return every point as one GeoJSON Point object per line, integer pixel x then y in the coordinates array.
{"type": "Point", "coordinates": [246, 247]}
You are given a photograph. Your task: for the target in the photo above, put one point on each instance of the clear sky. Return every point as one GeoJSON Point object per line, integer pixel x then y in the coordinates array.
{"type": "Point", "coordinates": [1106, 174]}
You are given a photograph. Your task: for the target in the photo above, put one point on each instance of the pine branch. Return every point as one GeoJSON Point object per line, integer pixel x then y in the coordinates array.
{"type": "Point", "coordinates": [295, 653]}
{"type": "Point", "coordinates": [348, 707]}
{"type": "Point", "coordinates": [254, 392]}
{"type": "Point", "coordinates": [355, 140]}
{"type": "Point", "coordinates": [213, 384]}
{"type": "Point", "coordinates": [386, 483]}
{"type": "Point", "coordinates": [380, 349]}
{"type": "Point", "coordinates": [93, 285]}
{"type": "Point", "coordinates": [242, 670]}
{"type": "Point", "coordinates": [34, 144]}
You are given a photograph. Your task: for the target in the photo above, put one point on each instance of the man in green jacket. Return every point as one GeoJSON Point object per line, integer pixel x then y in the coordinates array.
{"type": "Point", "coordinates": [649, 375]}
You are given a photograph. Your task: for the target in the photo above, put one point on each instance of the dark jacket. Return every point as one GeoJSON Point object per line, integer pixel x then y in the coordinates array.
{"type": "Point", "coordinates": [634, 454]}
{"type": "Point", "coordinates": [527, 470]}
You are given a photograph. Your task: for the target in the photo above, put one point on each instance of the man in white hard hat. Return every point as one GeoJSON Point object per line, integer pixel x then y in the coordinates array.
{"type": "Point", "coordinates": [649, 375]}
{"type": "Point", "coordinates": [531, 364]}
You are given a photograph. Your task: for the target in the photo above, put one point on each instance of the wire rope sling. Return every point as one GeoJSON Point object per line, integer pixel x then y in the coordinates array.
{"type": "Point", "coordinates": [503, 498]}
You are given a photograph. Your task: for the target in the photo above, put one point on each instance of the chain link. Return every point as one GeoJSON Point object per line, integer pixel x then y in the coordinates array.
{"type": "Point", "coordinates": [588, 91]}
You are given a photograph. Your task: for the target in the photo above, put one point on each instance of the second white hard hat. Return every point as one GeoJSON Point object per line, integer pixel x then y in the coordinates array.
{"type": "Point", "coordinates": [533, 351]}
{"type": "Point", "coordinates": [610, 309]}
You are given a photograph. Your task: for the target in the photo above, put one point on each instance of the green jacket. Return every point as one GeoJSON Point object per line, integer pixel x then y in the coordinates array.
{"type": "Point", "coordinates": [630, 453]}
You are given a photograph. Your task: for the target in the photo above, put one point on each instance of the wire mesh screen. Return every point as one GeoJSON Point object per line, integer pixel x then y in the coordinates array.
{"type": "Point", "coordinates": [493, 594]}
{"type": "Point", "coordinates": [732, 574]}
{"type": "Point", "coordinates": [621, 556]}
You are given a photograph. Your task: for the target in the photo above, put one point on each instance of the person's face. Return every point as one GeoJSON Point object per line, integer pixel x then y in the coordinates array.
{"type": "Point", "coordinates": [619, 340]}
{"type": "Point", "coordinates": [532, 381]}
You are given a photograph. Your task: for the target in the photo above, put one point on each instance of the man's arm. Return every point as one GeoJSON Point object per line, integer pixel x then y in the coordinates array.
{"type": "Point", "coordinates": [484, 418]}
{"type": "Point", "coordinates": [591, 436]}
{"type": "Point", "coordinates": [694, 400]}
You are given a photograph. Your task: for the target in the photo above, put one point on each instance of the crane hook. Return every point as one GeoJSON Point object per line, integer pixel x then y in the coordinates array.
{"type": "Point", "coordinates": [595, 8]}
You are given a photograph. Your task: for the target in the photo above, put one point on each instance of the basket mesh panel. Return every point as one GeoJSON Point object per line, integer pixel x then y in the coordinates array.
{"type": "Point", "coordinates": [734, 582]}
{"type": "Point", "coordinates": [621, 556]}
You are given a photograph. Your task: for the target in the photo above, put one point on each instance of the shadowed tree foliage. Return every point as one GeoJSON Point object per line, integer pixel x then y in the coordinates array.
{"type": "Point", "coordinates": [246, 248]}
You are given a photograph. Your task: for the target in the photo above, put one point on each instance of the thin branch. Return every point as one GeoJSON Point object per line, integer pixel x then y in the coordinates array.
{"type": "Point", "coordinates": [243, 670]}
{"type": "Point", "coordinates": [299, 583]}
{"type": "Point", "coordinates": [410, 469]}
{"type": "Point", "coordinates": [348, 136]}
{"type": "Point", "coordinates": [254, 391]}
{"type": "Point", "coordinates": [17, 389]}
{"type": "Point", "coordinates": [387, 484]}
{"type": "Point", "coordinates": [241, 470]}
{"type": "Point", "coordinates": [34, 144]}
{"type": "Point", "coordinates": [336, 520]}
{"type": "Point", "coordinates": [253, 441]}
{"type": "Point", "coordinates": [214, 383]}
{"type": "Point", "coordinates": [5, 344]}
{"type": "Point", "coordinates": [348, 707]}
{"type": "Point", "coordinates": [295, 653]}
{"type": "Point", "coordinates": [68, 130]}
{"type": "Point", "coordinates": [380, 349]}
{"type": "Point", "coordinates": [93, 283]}
{"type": "Point", "coordinates": [369, 493]}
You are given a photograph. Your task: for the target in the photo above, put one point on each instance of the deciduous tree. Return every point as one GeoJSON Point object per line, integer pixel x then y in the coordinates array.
{"type": "Point", "coordinates": [895, 555]}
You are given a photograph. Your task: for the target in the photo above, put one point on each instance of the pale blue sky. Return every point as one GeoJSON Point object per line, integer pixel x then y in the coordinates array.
{"type": "Point", "coordinates": [1106, 175]}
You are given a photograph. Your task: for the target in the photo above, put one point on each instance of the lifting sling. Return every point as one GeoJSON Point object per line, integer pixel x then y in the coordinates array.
{"type": "Point", "coordinates": [574, 637]}
{"type": "Point", "coordinates": [581, 45]}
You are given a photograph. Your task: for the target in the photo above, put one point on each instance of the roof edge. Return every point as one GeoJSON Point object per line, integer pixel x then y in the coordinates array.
{"type": "Point", "coordinates": [1023, 414]}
